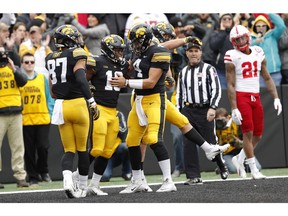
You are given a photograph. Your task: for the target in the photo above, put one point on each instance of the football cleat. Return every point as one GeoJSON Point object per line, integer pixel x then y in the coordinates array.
{"type": "Point", "coordinates": [96, 190]}
{"type": "Point", "coordinates": [145, 187]}
{"type": "Point", "coordinates": [215, 150]}
{"type": "Point", "coordinates": [258, 175]}
{"type": "Point", "coordinates": [75, 179]}
{"type": "Point", "coordinates": [239, 167]}
{"type": "Point", "coordinates": [134, 187]}
{"type": "Point", "coordinates": [70, 190]}
{"type": "Point", "coordinates": [167, 186]}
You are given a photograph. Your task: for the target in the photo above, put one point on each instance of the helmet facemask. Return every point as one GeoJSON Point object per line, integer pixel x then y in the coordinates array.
{"type": "Point", "coordinates": [140, 36]}
{"type": "Point", "coordinates": [241, 43]}
{"type": "Point", "coordinates": [113, 46]}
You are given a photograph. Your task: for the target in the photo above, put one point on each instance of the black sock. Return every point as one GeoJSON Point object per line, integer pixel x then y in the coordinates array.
{"type": "Point", "coordinates": [194, 136]}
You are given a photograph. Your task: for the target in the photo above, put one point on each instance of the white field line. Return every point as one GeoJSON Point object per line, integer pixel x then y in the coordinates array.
{"type": "Point", "coordinates": [119, 186]}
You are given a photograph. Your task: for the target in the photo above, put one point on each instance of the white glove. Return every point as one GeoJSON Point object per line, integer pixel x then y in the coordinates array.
{"type": "Point", "coordinates": [277, 105]}
{"type": "Point", "coordinates": [236, 116]}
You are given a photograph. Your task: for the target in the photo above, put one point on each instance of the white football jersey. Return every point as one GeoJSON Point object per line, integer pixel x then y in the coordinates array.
{"type": "Point", "coordinates": [247, 68]}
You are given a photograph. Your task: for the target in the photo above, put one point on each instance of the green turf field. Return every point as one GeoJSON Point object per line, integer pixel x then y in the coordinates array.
{"type": "Point", "coordinates": [150, 179]}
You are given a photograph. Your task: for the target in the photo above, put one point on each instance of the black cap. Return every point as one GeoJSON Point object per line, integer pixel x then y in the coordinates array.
{"type": "Point", "coordinates": [194, 42]}
{"type": "Point", "coordinates": [190, 45]}
{"type": "Point", "coordinates": [176, 22]}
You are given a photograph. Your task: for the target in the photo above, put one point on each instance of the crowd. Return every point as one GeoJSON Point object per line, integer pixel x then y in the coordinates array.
{"type": "Point", "coordinates": [63, 55]}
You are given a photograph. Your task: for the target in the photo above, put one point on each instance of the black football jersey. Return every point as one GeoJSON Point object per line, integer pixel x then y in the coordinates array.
{"type": "Point", "coordinates": [105, 69]}
{"type": "Point", "coordinates": [60, 65]}
{"type": "Point", "coordinates": [155, 56]}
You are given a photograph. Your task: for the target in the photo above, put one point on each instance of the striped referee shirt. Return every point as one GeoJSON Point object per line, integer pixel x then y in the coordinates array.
{"type": "Point", "coordinates": [198, 85]}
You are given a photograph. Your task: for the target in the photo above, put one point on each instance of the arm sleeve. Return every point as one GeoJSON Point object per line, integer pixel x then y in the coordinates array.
{"type": "Point", "coordinates": [84, 85]}
{"type": "Point", "coordinates": [21, 78]}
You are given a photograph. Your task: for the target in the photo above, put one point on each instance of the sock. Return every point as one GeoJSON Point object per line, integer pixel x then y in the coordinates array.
{"type": "Point", "coordinates": [83, 181]}
{"type": "Point", "coordinates": [241, 156]}
{"type": "Point", "coordinates": [95, 179]}
{"type": "Point", "coordinates": [136, 174]}
{"type": "Point", "coordinates": [165, 167]}
{"type": "Point", "coordinates": [194, 136]}
{"type": "Point", "coordinates": [142, 174]}
{"type": "Point", "coordinates": [67, 177]}
{"type": "Point", "coordinates": [206, 147]}
{"type": "Point", "coordinates": [252, 165]}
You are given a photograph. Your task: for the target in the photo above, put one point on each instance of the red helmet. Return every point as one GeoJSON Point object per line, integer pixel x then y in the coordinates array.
{"type": "Point", "coordinates": [240, 37]}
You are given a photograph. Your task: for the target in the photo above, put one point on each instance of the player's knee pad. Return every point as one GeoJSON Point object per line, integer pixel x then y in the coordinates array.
{"type": "Point", "coordinates": [96, 152]}
{"type": "Point", "coordinates": [151, 138]}
{"type": "Point", "coordinates": [160, 151]}
{"type": "Point", "coordinates": [107, 154]}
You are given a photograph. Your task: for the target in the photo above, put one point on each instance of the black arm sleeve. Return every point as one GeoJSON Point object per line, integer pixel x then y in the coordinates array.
{"type": "Point", "coordinates": [21, 78]}
{"type": "Point", "coordinates": [84, 85]}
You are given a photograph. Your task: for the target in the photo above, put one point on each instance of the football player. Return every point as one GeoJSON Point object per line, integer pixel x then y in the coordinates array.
{"type": "Point", "coordinates": [70, 88]}
{"type": "Point", "coordinates": [244, 65]}
{"type": "Point", "coordinates": [100, 70]}
{"type": "Point", "coordinates": [164, 32]}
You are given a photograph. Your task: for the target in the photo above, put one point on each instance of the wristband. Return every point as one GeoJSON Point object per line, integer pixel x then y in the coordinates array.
{"type": "Point", "coordinates": [135, 83]}
{"type": "Point", "coordinates": [91, 101]}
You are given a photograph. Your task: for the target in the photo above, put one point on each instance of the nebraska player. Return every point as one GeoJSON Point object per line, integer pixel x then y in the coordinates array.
{"type": "Point", "coordinates": [244, 65]}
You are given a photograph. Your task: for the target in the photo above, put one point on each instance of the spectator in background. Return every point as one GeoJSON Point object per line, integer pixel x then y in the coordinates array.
{"type": "Point", "coordinates": [220, 43]}
{"type": "Point", "coordinates": [228, 132]}
{"type": "Point", "coordinates": [19, 35]}
{"type": "Point", "coordinates": [95, 31]}
{"type": "Point", "coordinates": [121, 154]}
{"type": "Point", "coordinates": [283, 51]}
{"type": "Point", "coordinates": [244, 19]}
{"type": "Point", "coordinates": [37, 111]}
{"type": "Point", "coordinates": [38, 47]}
{"type": "Point", "coordinates": [266, 37]}
{"type": "Point", "coordinates": [8, 44]}
{"type": "Point", "coordinates": [210, 23]}
{"type": "Point", "coordinates": [11, 78]}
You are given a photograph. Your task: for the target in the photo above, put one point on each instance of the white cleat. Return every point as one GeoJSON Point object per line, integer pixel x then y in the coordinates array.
{"type": "Point", "coordinates": [258, 175]}
{"type": "Point", "coordinates": [167, 186]}
{"type": "Point", "coordinates": [239, 167]}
{"type": "Point", "coordinates": [215, 150]}
{"type": "Point", "coordinates": [70, 190]}
{"type": "Point", "coordinates": [75, 179]}
{"type": "Point", "coordinates": [81, 193]}
{"type": "Point", "coordinates": [145, 187]}
{"type": "Point", "coordinates": [95, 190]}
{"type": "Point", "coordinates": [133, 187]}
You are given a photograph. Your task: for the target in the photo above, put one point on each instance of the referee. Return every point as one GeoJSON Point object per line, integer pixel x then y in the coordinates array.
{"type": "Point", "coordinates": [198, 95]}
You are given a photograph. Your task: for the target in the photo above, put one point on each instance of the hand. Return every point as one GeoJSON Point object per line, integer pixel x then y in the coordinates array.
{"type": "Point", "coordinates": [169, 82]}
{"type": "Point", "coordinates": [92, 89]}
{"type": "Point", "coordinates": [277, 106]}
{"type": "Point", "coordinates": [68, 18]}
{"type": "Point", "coordinates": [46, 42]}
{"type": "Point", "coordinates": [211, 114]}
{"type": "Point", "coordinates": [11, 65]}
{"type": "Point", "coordinates": [95, 111]}
{"type": "Point", "coordinates": [236, 116]}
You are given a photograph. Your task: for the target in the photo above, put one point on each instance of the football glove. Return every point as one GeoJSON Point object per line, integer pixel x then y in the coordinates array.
{"type": "Point", "coordinates": [278, 105]}
{"type": "Point", "coordinates": [94, 110]}
{"type": "Point", "coordinates": [92, 89]}
{"type": "Point", "coordinates": [236, 116]}
{"type": "Point", "coordinates": [169, 82]}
